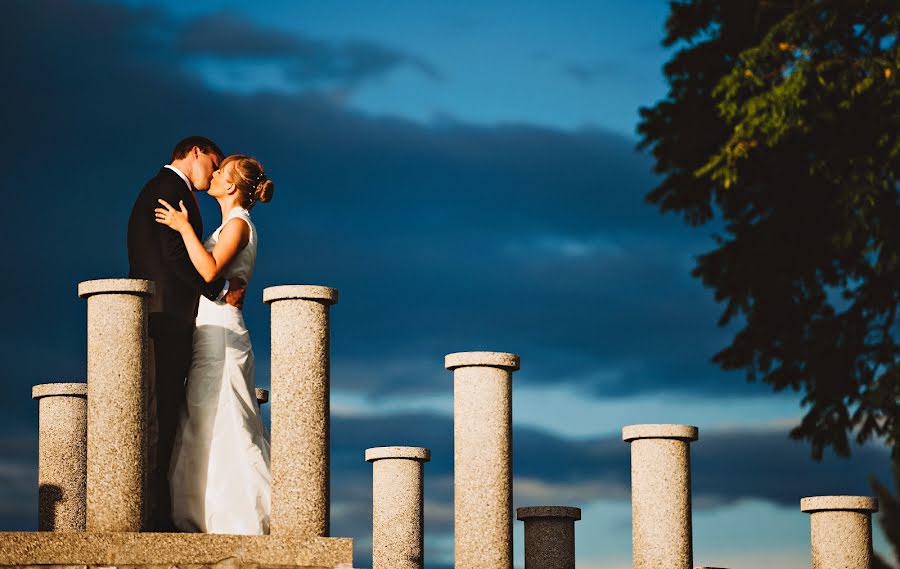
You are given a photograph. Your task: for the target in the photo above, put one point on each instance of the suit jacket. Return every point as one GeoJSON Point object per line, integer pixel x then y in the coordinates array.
{"type": "Point", "coordinates": [157, 253]}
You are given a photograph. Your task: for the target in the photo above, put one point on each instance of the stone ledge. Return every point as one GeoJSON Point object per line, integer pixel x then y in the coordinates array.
{"type": "Point", "coordinates": [504, 360]}
{"type": "Point", "coordinates": [413, 453]}
{"type": "Point", "coordinates": [529, 512]}
{"type": "Point", "coordinates": [56, 389]}
{"type": "Point", "coordinates": [826, 503]}
{"type": "Point", "coordinates": [304, 292]}
{"type": "Point", "coordinates": [165, 549]}
{"type": "Point", "coordinates": [116, 286]}
{"type": "Point", "coordinates": [687, 433]}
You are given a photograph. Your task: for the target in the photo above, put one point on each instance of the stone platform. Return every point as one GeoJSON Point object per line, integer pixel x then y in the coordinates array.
{"type": "Point", "coordinates": [163, 550]}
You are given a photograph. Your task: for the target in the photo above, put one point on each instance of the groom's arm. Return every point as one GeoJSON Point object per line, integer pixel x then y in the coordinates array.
{"type": "Point", "coordinates": [175, 253]}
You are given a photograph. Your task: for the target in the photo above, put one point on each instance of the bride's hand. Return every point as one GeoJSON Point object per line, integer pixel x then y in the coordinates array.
{"type": "Point", "coordinates": [174, 218]}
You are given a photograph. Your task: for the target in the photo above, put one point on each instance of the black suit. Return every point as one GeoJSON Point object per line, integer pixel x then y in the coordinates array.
{"type": "Point", "coordinates": [157, 253]}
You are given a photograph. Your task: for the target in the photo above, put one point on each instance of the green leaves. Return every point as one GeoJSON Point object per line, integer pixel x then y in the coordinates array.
{"type": "Point", "coordinates": [784, 117]}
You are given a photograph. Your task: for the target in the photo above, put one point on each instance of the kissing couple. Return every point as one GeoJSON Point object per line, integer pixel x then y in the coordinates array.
{"type": "Point", "coordinates": [210, 461]}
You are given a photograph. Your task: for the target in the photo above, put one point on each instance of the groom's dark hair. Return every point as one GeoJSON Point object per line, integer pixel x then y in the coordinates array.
{"type": "Point", "coordinates": [205, 145]}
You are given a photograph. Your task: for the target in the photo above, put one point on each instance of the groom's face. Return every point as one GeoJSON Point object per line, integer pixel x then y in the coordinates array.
{"type": "Point", "coordinates": [204, 165]}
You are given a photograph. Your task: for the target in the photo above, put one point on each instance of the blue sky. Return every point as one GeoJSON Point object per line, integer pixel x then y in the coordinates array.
{"type": "Point", "coordinates": [465, 174]}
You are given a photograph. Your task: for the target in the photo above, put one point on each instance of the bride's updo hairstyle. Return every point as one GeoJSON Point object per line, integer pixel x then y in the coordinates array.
{"type": "Point", "coordinates": [251, 180]}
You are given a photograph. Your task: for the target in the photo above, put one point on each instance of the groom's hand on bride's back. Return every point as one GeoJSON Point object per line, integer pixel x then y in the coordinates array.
{"type": "Point", "coordinates": [237, 288]}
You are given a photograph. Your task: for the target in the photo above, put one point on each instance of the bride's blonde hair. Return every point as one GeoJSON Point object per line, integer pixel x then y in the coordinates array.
{"type": "Point", "coordinates": [250, 179]}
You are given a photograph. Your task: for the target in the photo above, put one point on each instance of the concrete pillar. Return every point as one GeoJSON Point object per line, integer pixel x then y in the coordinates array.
{"type": "Point", "coordinates": [262, 396]}
{"type": "Point", "coordinates": [397, 503]}
{"type": "Point", "coordinates": [119, 366]}
{"type": "Point", "coordinates": [549, 536]}
{"type": "Point", "coordinates": [661, 495]}
{"type": "Point", "coordinates": [482, 432]}
{"type": "Point", "coordinates": [300, 409]}
{"type": "Point", "coordinates": [62, 455]}
{"type": "Point", "coordinates": [840, 530]}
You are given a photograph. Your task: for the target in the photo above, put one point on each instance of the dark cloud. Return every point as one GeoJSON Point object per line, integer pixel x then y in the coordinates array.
{"type": "Point", "coordinates": [231, 36]}
{"type": "Point", "coordinates": [440, 237]}
{"type": "Point", "coordinates": [591, 73]}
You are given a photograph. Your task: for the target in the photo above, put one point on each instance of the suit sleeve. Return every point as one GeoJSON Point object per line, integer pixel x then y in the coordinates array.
{"type": "Point", "coordinates": [175, 253]}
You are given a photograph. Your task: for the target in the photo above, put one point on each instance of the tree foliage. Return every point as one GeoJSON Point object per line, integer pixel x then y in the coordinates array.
{"type": "Point", "coordinates": [783, 119]}
{"type": "Point", "coordinates": [889, 517]}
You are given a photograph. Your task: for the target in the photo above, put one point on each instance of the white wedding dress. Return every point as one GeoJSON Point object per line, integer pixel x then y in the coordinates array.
{"type": "Point", "coordinates": [220, 477]}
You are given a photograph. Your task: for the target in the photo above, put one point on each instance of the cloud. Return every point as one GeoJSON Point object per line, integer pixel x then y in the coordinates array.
{"type": "Point", "coordinates": [441, 237]}
{"type": "Point", "coordinates": [588, 74]}
{"type": "Point", "coordinates": [226, 36]}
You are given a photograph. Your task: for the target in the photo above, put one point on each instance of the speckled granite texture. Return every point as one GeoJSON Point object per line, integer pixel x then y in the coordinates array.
{"type": "Point", "coordinates": [397, 502]}
{"type": "Point", "coordinates": [119, 364]}
{"type": "Point", "coordinates": [62, 455]}
{"type": "Point", "coordinates": [300, 408]}
{"type": "Point", "coordinates": [840, 530]}
{"type": "Point", "coordinates": [482, 430]}
{"type": "Point", "coordinates": [123, 549]}
{"type": "Point", "coordinates": [661, 495]}
{"type": "Point", "coordinates": [549, 536]}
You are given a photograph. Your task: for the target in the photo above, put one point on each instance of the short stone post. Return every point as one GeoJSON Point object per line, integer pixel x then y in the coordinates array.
{"type": "Point", "coordinates": [262, 396]}
{"type": "Point", "coordinates": [397, 502]}
{"type": "Point", "coordinates": [661, 495]}
{"type": "Point", "coordinates": [119, 366]}
{"type": "Point", "coordinates": [482, 432]}
{"type": "Point", "coordinates": [840, 530]}
{"type": "Point", "coordinates": [549, 536]}
{"type": "Point", "coordinates": [300, 408]}
{"type": "Point", "coordinates": [62, 455]}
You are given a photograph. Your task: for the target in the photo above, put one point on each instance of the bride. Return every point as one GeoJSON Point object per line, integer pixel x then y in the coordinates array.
{"type": "Point", "coordinates": [220, 473]}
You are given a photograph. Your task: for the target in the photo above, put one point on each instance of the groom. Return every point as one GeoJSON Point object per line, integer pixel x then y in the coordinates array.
{"type": "Point", "coordinates": [157, 253]}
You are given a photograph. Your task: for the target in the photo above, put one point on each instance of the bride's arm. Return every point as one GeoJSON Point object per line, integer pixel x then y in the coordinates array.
{"type": "Point", "coordinates": [232, 238]}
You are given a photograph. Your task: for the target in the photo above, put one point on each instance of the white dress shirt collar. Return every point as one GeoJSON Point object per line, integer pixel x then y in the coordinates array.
{"type": "Point", "coordinates": [180, 175]}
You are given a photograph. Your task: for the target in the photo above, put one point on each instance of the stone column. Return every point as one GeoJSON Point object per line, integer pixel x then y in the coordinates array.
{"type": "Point", "coordinates": [840, 530]}
{"type": "Point", "coordinates": [397, 526]}
{"type": "Point", "coordinates": [262, 396]}
{"type": "Point", "coordinates": [661, 495]}
{"type": "Point", "coordinates": [482, 432]}
{"type": "Point", "coordinates": [119, 366]}
{"type": "Point", "coordinates": [300, 409]}
{"type": "Point", "coordinates": [549, 536]}
{"type": "Point", "coordinates": [62, 455]}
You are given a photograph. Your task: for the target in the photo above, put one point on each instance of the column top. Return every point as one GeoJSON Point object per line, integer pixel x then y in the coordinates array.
{"type": "Point", "coordinates": [567, 512]}
{"type": "Point", "coordinates": [415, 453]}
{"type": "Point", "coordinates": [51, 389]}
{"type": "Point", "coordinates": [304, 292]}
{"type": "Point", "coordinates": [503, 360]}
{"type": "Point", "coordinates": [687, 433]}
{"type": "Point", "coordinates": [262, 395]}
{"type": "Point", "coordinates": [113, 286]}
{"type": "Point", "coordinates": [823, 503]}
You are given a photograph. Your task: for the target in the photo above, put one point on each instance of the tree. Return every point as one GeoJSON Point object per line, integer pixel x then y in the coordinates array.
{"type": "Point", "coordinates": [783, 118]}
{"type": "Point", "coordinates": [889, 517]}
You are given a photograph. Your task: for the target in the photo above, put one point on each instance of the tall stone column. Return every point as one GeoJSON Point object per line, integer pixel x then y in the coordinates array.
{"type": "Point", "coordinates": [482, 431]}
{"type": "Point", "coordinates": [119, 367]}
{"type": "Point", "coordinates": [300, 408]}
{"type": "Point", "coordinates": [840, 530]}
{"type": "Point", "coordinates": [549, 536]}
{"type": "Point", "coordinates": [661, 495]}
{"type": "Point", "coordinates": [397, 502]}
{"type": "Point", "coordinates": [62, 455]}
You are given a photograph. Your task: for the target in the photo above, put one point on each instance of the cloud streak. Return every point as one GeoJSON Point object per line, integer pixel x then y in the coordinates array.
{"type": "Point", "coordinates": [226, 36]}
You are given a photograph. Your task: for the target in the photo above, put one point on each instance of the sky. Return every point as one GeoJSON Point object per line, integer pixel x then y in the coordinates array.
{"type": "Point", "coordinates": [466, 175]}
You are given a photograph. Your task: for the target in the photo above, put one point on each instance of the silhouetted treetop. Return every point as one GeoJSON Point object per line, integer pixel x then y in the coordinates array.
{"type": "Point", "coordinates": [783, 118]}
